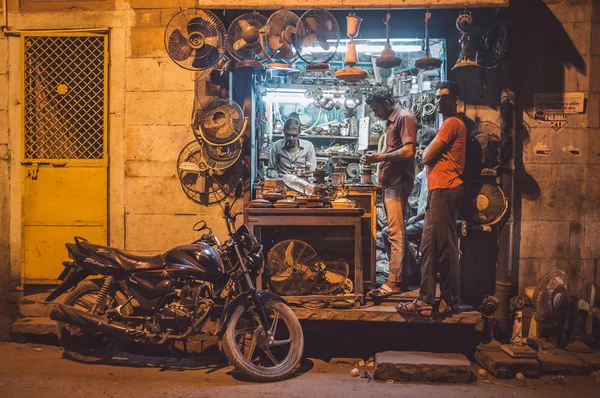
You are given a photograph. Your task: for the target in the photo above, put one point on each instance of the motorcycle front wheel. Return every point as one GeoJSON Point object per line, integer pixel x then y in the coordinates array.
{"type": "Point", "coordinates": [259, 355]}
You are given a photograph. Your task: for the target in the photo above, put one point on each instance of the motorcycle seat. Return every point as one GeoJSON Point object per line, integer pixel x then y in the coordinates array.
{"type": "Point", "coordinates": [129, 262]}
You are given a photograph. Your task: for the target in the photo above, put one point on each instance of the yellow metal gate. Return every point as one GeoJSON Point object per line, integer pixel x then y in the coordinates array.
{"type": "Point", "coordinates": [64, 167]}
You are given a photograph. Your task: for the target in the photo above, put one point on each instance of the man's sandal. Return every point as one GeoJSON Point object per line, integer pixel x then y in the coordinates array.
{"type": "Point", "coordinates": [445, 309]}
{"type": "Point", "coordinates": [383, 291]}
{"type": "Point", "coordinates": [413, 308]}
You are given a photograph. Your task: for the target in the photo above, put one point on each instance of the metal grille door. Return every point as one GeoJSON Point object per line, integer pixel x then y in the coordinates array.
{"type": "Point", "coordinates": [64, 84]}
{"type": "Point", "coordinates": [64, 167]}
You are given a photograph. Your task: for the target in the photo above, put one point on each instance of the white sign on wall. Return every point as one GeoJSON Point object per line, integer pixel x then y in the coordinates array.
{"type": "Point", "coordinates": [558, 103]}
{"type": "Point", "coordinates": [363, 133]}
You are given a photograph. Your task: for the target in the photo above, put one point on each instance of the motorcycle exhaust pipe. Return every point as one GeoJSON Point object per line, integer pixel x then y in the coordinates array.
{"type": "Point", "coordinates": [72, 316]}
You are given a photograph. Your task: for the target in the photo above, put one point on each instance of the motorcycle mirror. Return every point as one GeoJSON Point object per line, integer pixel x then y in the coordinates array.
{"type": "Point", "coordinates": [238, 188]}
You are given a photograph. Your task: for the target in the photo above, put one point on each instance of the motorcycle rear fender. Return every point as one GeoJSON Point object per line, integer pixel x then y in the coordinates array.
{"type": "Point", "coordinates": [246, 301]}
{"type": "Point", "coordinates": [74, 275]}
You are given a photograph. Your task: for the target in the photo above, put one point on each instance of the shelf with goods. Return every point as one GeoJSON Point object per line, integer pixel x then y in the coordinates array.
{"type": "Point", "coordinates": [330, 137]}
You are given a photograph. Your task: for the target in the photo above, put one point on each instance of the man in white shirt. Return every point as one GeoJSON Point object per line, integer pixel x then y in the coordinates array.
{"type": "Point", "coordinates": [291, 153]}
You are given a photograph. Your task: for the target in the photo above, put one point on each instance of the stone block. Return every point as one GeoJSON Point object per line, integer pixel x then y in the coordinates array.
{"type": "Point", "coordinates": [569, 13]}
{"type": "Point", "coordinates": [157, 196]}
{"type": "Point", "coordinates": [4, 91]}
{"type": "Point", "coordinates": [593, 173]}
{"type": "Point", "coordinates": [574, 80]}
{"type": "Point", "coordinates": [594, 66]}
{"type": "Point", "coordinates": [568, 172]}
{"type": "Point", "coordinates": [544, 145]}
{"type": "Point", "coordinates": [3, 56]}
{"type": "Point", "coordinates": [162, 3]}
{"type": "Point", "coordinates": [155, 168]}
{"type": "Point", "coordinates": [528, 274]}
{"type": "Point", "coordinates": [592, 111]}
{"type": "Point", "coordinates": [580, 272]}
{"type": "Point", "coordinates": [591, 204]}
{"type": "Point", "coordinates": [147, 18]}
{"type": "Point", "coordinates": [596, 40]}
{"type": "Point", "coordinates": [591, 359]}
{"type": "Point", "coordinates": [503, 366]}
{"type": "Point", "coordinates": [580, 34]}
{"type": "Point", "coordinates": [3, 127]}
{"type": "Point", "coordinates": [144, 74]}
{"type": "Point", "coordinates": [558, 361]}
{"type": "Point", "coordinates": [118, 39]}
{"type": "Point", "coordinates": [157, 233]}
{"type": "Point", "coordinates": [163, 143]}
{"type": "Point", "coordinates": [166, 15]}
{"type": "Point", "coordinates": [576, 248]}
{"type": "Point", "coordinates": [558, 200]}
{"type": "Point", "coordinates": [159, 108]}
{"type": "Point", "coordinates": [593, 148]}
{"type": "Point", "coordinates": [147, 42]}
{"type": "Point", "coordinates": [34, 325]}
{"type": "Point", "coordinates": [592, 243]}
{"type": "Point", "coordinates": [422, 366]}
{"type": "Point", "coordinates": [175, 78]}
{"type": "Point", "coordinates": [539, 172]}
{"type": "Point", "coordinates": [545, 239]}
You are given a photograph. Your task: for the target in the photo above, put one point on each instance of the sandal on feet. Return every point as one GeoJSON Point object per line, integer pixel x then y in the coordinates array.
{"type": "Point", "coordinates": [446, 309]}
{"type": "Point", "coordinates": [414, 308]}
{"type": "Point", "coordinates": [383, 291]}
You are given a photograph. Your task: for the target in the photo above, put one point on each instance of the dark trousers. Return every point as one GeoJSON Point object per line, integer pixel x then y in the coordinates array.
{"type": "Point", "coordinates": [439, 246]}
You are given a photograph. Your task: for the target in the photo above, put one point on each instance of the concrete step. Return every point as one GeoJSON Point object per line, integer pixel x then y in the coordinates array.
{"type": "Point", "coordinates": [34, 325]}
{"type": "Point", "coordinates": [34, 305]}
{"type": "Point", "coordinates": [422, 366]}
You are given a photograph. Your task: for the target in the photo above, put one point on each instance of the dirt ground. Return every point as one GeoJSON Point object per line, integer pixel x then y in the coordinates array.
{"type": "Point", "coordinates": [34, 370]}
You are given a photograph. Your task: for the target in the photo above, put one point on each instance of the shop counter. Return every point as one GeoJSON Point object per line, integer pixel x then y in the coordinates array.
{"type": "Point", "coordinates": [318, 219]}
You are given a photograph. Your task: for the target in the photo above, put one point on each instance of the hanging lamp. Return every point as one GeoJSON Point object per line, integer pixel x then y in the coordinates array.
{"type": "Point", "coordinates": [427, 62]}
{"type": "Point", "coordinates": [387, 58]}
{"type": "Point", "coordinates": [351, 74]}
{"type": "Point", "coordinates": [463, 24]}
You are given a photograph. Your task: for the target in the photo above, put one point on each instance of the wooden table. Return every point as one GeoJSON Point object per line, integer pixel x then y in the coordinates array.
{"type": "Point", "coordinates": [318, 217]}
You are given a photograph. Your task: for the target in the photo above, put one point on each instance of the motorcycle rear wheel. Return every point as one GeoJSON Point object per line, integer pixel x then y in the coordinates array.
{"type": "Point", "coordinates": [86, 346]}
{"type": "Point", "coordinates": [263, 358]}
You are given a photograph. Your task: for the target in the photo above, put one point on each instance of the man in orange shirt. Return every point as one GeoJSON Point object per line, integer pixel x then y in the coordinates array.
{"type": "Point", "coordinates": [445, 160]}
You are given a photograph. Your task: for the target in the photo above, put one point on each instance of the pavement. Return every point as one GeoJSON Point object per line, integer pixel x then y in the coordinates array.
{"type": "Point", "coordinates": [34, 370]}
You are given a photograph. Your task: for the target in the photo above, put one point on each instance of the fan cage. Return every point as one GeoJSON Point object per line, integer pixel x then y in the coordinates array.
{"type": "Point", "coordinates": [220, 124]}
{"type": "Point", "coordinates": [484, 203]}
{"type": "Point", "coordinates": [207, 19]}
{"type": "Point", "coordinates": [284, 19]}
{"type": "Point", "coordinates": [303, 30]}
{"type": "Point", "coordinates": [234, 33]}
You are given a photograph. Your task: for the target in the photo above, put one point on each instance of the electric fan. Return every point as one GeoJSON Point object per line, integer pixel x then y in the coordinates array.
{"type": "Point", "coordinates": [291, 267]}
{"type": "Point", "coordinates": [551, 299]}
{"type": "Point", "coordinates": [243, 40]}
{"type": "Point", "coordinates": [493, 43]}
{"type": "Point", "coordinates": [194, 39]}
{"type": "Point", "coordinates": [277, 39]}
{"type": "Point", "coordinates": [221, 123]}
{"type": "Point", "coordinates": [332, 277]}
{"type": "Point", "coordinates": [584, 320]}
{"type": "Point", "coordinates": [483, 203]}
{"type": "Point", "coordinates": [200, 183]}
{"type": "Point", "coordinates": [427, 62]}
{"type": "Point", "coordinates": [387, 58]}
{"type": "Point", "coordinates": [488, 135]}
{"type": "Point", "coordinates": [221, 157]}
{"type": "Point", "coordinates": [317, 39]}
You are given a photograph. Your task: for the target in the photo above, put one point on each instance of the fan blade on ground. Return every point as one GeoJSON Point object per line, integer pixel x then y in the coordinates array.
{"type": "Point", "coordinates": [241, 43]}
{"type": "Point", "coordinates": [289, 254]}
{"type": "Point", "coordinates": [179, 49]}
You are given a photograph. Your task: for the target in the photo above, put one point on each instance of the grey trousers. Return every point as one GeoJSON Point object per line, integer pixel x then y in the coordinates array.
{"type": "Point", "coordinates": [395, 199]}
{"type": "Point", "coordinates": [439, 246]}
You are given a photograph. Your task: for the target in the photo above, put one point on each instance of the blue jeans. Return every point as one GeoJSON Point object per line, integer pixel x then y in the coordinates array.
{"type": "Point", "coordinates": [395, 199]}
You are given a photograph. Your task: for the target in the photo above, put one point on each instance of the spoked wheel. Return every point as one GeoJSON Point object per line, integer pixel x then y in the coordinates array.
{"type": "Point", "coordinates": [83, 345]}
{"type": "Point", "coordinates": [264, 355]}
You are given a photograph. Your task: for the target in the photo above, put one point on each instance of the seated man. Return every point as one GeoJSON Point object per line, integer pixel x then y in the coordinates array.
{"type": "Point", "coordinates": [291, 153]}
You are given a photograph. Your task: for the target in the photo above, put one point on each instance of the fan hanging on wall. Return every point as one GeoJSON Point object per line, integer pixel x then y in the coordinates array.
{"type": "Point", "coordinates": [388, 58]}
{"type": "Point", "coordinates": [350, 74]}
{"type": "Point", "coordinates": [317, 39]}
{"type": "Point", "coordinates": [200, 183]}
{"type": "Point", "coordinates": [221, 123]}
{"type": "Point", "coordinates": [488, 135]}
{"type": "Point", "coordinates": [427, 62]}
{"type": "Point", "coordinates": [243, 40]}
{"type": "Point", "coordinates": [277, 39]}
{"type": "Point", "coordinates": [493, 43]}
{"type": "Point", "coordinates": [483, 203]}
{"type": "Point", "coordinates": [194, 39]}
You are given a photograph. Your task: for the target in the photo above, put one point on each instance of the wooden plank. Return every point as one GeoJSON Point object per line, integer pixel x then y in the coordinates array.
{"type": "Point", "coordinates": [356, 4]}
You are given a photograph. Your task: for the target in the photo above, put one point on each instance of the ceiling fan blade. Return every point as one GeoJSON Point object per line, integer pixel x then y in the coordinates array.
{"type": "Point", "coordinates": [241, 43]}
{"type": "Point", "coordinates": [178, 46]}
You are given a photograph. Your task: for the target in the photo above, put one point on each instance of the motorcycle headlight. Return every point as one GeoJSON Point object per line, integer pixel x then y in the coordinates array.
{"type": "Point", "coordinates": [256, 261]}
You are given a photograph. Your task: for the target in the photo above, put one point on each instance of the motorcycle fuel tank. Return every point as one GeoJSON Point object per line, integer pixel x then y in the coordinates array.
{"type": "Point", "coordinates": [196, 260]}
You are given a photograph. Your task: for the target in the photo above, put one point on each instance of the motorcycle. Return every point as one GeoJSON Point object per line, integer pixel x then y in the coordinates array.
{"type": "Point", "coordinates": [200, 288]}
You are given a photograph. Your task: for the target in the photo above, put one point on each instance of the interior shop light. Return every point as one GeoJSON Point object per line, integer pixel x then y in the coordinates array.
{"type": "Point", "coordinates": [367, 48]}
